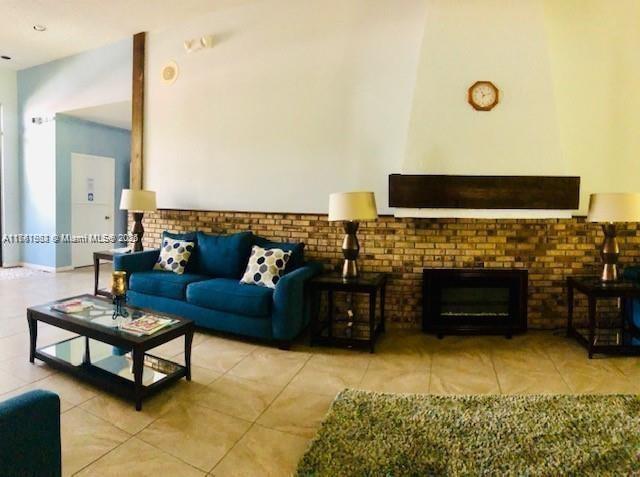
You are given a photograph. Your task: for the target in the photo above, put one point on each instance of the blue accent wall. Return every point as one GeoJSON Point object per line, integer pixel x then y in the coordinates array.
{"type": "Point", "coordinates": [92, 78]}
{"type": "Point", "coordinates": [83, 137]}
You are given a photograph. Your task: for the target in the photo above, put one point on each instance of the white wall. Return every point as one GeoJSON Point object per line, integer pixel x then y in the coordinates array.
{"type": "Point", "coordinates": [298, 100]}
{"type": "Point", "coordinates": [10, 183]}
{"type": "Point", "coordinates": [596, 65]}
{"type": "Point", "coordinates": [496, 40]}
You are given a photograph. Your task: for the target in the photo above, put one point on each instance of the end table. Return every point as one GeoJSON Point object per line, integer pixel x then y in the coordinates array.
{"type": "Point", "coordinates": [107, 256]}
{"type": "Point", "coordinates": [603, 340]}
{"type": "Point", "coordinates": [372, 284]}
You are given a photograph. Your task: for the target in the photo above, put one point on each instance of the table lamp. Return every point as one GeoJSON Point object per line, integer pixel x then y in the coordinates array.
{"type": "Point", "coordinates": [608, 209]}
{"type": "Point", "coordinates": [138, 201]}
{"type": "Point", "coordinates": [351, 208]}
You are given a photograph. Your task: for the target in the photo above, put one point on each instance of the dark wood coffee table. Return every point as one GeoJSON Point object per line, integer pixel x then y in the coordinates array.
{"type": "Point", "coordinates": [107, 357]}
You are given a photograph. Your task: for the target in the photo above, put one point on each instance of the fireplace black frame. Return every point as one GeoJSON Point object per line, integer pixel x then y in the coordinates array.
{"type": "Point", "coordinates": [435, 280]}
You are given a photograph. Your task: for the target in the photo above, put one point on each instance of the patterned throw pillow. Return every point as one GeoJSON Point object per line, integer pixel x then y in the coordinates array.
{"type": "Point", "coordinates": [174, 255]}
{"type": "Point", "coordinates": [265, 266]}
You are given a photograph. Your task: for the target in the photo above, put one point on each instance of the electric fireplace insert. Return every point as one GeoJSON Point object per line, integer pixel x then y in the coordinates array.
{"type": "Point", "coordinates": [474, 301]}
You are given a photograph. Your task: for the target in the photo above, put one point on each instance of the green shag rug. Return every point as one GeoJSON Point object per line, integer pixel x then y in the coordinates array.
{"type": "Point", "coordinates": [374, 434]}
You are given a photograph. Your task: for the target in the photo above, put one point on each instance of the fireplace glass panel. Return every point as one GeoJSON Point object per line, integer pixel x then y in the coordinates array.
{"type": "Point", "coordinates": [474, 301]}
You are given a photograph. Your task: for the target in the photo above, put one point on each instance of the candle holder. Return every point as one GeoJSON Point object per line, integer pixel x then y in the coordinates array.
{"type": "Point", "coordinates": [119, 294]}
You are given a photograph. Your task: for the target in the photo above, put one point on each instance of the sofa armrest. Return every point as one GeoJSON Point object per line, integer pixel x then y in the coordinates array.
{"type": "Point", "coordinates": [289, 315]}
{"type": "Point", "coordinates": [136, 261]}
{"type": "Point", "coordinates": [30, 435]}
{"type": "Point", "coordinates": [631, 273]}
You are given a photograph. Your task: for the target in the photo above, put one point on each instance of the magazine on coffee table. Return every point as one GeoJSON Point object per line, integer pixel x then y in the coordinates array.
{"type": "Point", "coordinates": [147, 325]}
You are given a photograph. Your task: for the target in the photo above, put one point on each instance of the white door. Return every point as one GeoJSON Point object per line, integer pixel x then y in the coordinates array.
{"type": "Point", "coordinates": [92, 204]}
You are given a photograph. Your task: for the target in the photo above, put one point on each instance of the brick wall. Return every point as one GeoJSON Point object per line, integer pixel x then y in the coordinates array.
{"type": "Point", "coordinates": [549, 249]}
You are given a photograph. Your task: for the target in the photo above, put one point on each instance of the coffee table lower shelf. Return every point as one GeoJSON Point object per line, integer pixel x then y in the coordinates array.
{"type": "Point", "coordinates": [111, 368]}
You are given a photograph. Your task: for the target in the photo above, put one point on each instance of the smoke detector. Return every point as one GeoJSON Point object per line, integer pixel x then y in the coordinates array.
{"type": "Point", "coordinates": [169, 72]}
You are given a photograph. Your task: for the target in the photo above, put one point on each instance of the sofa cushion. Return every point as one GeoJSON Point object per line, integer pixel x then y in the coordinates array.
{"type": "Point", "coordinates": [265, 267]}
{"type": "Point", "coordinates": [223, 256]}
{"type": "Point", "coordinates": [174, 255]}
{"type": "Point", "coordinates": [226, 294]}
{"type": "Point", "coordinates": [161, 283]}
{"type": "Point", "coordinates": [296, 249]}
{"type": "Point", "coordinates": [189, 237]}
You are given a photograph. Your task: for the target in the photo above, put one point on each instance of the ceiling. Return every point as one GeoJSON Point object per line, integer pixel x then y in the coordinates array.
{"type": "Point", "coordinates": [115, 114]}
{"type": "Point", "coordinates": [74, 26]}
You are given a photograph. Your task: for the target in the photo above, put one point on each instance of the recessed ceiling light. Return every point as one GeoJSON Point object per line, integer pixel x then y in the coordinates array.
{"type": "Point", "coordinates": [5, 57]}
{"type": "Point", "coordinates": [39, 27]}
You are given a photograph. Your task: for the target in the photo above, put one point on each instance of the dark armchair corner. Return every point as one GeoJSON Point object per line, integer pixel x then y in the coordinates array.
{"type": "Point", "coordinates": [632, 306]}
{"type": "Point", "coordinates": [30, 435]}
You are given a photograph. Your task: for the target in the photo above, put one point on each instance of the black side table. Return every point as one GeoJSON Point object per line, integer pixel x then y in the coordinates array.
{"type": "Point", "coordinates": [107, 256]}
{"type": "Point", "coordinates": [603, 340]}
{"type": "Point", "coordinates": [369, 283]}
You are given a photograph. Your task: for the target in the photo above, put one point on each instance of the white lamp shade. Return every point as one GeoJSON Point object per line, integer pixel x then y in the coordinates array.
{"type": "Point", "coordinates": [138, 200]}
{"type": "Point", "coordinates": [352, 206]}
{"type": "Point", "coordinates": [614, 207]}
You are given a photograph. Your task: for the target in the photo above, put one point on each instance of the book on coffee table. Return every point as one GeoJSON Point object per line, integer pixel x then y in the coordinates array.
{"type": "Point", "coordinates": [146, 325]}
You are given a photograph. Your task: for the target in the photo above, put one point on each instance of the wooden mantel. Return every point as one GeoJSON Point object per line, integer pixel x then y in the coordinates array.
{"type": "Point", "coordinates": [484, 192]}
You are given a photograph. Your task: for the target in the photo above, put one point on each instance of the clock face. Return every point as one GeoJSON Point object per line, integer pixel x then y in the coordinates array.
{"type": "Point", "coordinates": [483, 95]}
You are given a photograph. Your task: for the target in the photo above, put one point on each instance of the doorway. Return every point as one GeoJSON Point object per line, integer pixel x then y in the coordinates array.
{"type": "Point", "coordinates": [92, 206]}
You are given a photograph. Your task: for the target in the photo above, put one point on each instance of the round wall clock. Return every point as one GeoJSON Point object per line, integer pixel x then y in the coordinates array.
{"type": "Point", "coordinates": [483, 95]}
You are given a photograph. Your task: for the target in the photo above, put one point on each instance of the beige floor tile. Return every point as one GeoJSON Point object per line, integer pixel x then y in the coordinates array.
{"type": "Point", "coordinates": [218, 355]}
{"type": "Point", "coordinates": [13, 326]}
{"type": "Point", "coordinates": [195, 434]}
{"type": "Point", "coordinates": [263, 451]}
{"type": "Point", "coordinates": [467, 372]}
{"type": "Point", "coordinates": [238, 397]}
{"type": "Point", "coordinates": [328, 377]}
{"type": "Point", "coordinates": [400, 362]}
{"type": "Point", "coordinates": [136, 458]}
{"type": "Point", "coordinates": [9, 382]}
{"type": "Point", "coordinates": [67, 387]}
{"type": "Point", "coordinates": [334, 357]}
{"type": "Point", "coordinates": [21, 368]}
{"type": "Point", "coordinates": [596, 377]}
{"type": "Point", "coordinates": [395, 380]}
{"type": "Point", "coordinates": [532, 382]}
{"type": "Point", "coordinates": [527, 370]}
{"type": "Point", "coordinates": [296, 412]}
{"type": "Point", "coordinates": [85, 438]}
{"type": "Point", "coordinates": [121, 413]}
{"type": "Point", "coordinates": [270, 366]}
{"type": "Point", "coordinates": [14, 346]}
{"type": "Point", "coordinates": [630, 367]}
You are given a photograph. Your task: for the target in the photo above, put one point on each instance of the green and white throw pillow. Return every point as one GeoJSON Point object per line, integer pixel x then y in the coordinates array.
{"type": "Point", "coordinates": [265, 266]}
{"type": "Point", "coordinates": [174, 255]}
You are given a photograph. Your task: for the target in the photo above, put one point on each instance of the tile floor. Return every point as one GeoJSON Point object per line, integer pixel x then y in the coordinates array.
{"type": "Point", "coordinates": [252, 409]}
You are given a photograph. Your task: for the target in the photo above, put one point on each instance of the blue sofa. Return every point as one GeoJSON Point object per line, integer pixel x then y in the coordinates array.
{"type": "Point", "coordinates": [30, 435]}
{"type": "Point", "coordinates": [210, 293]}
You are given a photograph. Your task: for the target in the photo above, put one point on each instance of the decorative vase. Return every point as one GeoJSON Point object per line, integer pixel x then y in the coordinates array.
{"type": "Point", "coordinates": [119, 294]}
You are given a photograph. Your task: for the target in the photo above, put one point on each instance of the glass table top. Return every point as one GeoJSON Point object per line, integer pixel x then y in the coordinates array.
{"type": "Point", "coordinates": [101, 312]}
